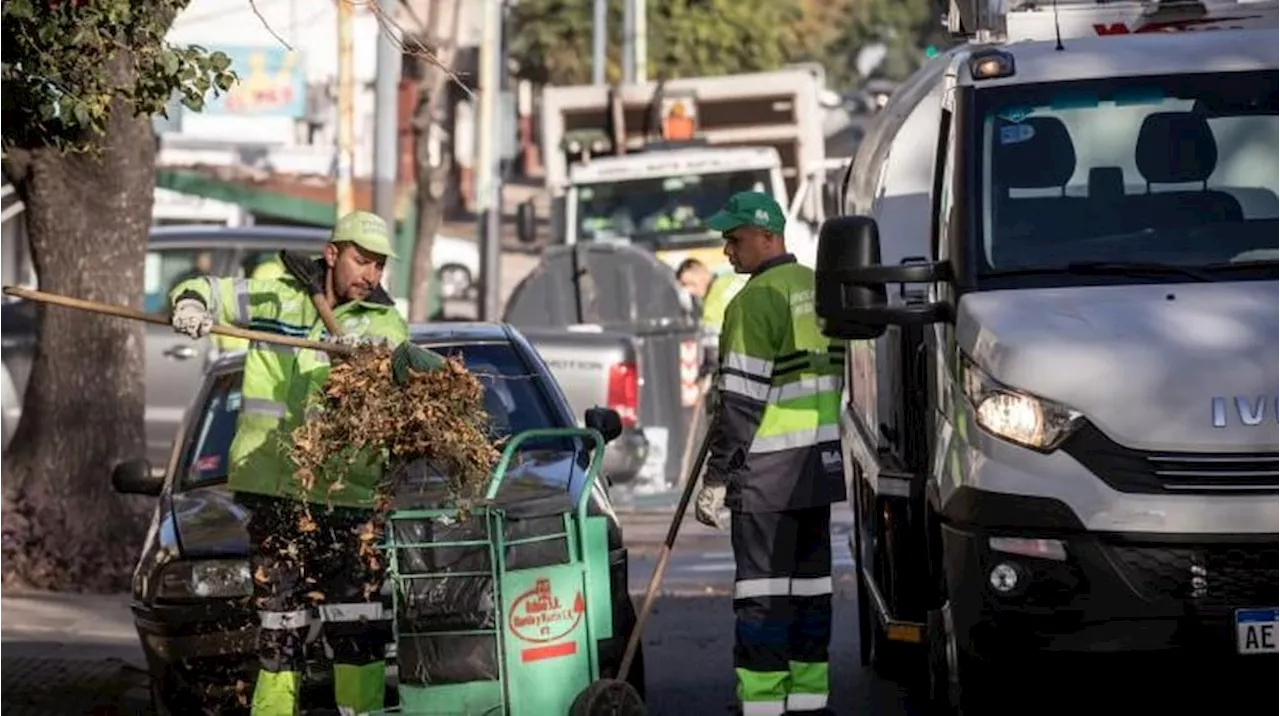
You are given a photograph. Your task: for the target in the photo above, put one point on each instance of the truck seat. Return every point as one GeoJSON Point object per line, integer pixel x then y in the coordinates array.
{"type": "Point", "coordinates": [1179, 148]}
{"type": "Point", "coordinates": [1036, 153]}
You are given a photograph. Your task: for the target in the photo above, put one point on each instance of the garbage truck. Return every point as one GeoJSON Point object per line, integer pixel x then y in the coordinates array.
{"type": "Point", "coordinates": [1056, 271]}
{"type": "Point", "coordinates": [644, 163]}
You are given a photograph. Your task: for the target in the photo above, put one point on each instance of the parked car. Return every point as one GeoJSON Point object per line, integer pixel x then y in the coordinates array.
{"type": "Point", "coordinates": [174, 364]}
{"type": "Point", "coordinates": [192, 580]}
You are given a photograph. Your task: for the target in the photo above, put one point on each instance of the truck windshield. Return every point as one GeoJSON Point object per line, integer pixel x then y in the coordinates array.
{"type": "Point", "coordinates": [659, 209]}
{"type": "Point", "coordinates": [1146, 171]}
{"type": "Point", "coordinates": [514, 400]}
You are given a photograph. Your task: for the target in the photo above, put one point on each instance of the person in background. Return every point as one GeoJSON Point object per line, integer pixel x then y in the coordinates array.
{"type": "Point", "coordinates": [695, 277]}
{"type": "Point", "coordinates": [774, 460]}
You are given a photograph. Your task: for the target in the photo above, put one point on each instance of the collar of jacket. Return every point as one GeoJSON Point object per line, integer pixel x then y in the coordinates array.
{"type": "Point", "coordinates": [774, 262]}
{"type": "Point", "coordinates": [316, 269]}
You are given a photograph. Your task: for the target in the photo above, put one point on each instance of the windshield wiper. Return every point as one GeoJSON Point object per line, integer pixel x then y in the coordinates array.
{"type": "Point", "coordinates": [1119, 268]}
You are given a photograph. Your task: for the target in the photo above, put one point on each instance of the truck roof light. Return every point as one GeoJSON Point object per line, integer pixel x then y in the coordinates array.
{"type": "Point", "coordinates": [990, 64]}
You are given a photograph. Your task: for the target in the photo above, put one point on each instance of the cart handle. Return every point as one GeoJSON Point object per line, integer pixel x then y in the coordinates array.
{"type": "Point", "coordinates": [593, 469]}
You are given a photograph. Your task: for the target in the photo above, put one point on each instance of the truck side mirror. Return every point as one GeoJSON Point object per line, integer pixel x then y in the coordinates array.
{"type": "Point", "coordinates": [527, 222]}
{"type": "Point", "coordinates": [849, 282]}
{"type": "Point", "coordinates": [133, 477]}
{"type": "Point", "coordinates": [605, 421]}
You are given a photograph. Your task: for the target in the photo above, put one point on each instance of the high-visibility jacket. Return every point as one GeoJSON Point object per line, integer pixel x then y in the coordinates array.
{"type": "Point", "coordinates": [278, 380]}
{"type": "Point", "coordinates": [271, 268]}
{"type": "Point", "coordinates": [777, 437]}
{"type": "Point", "coordinates": [724, 286]}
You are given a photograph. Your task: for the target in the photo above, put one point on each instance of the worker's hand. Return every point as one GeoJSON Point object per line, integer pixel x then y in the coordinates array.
{"type": "Point", "coordinates": [306, 270]}
{"type": "Point", "coordinates": [409, 358]}
{"type": "Point", "coordinates": [191, 318]}
{"type": "Point", "coordinates": [709, 506]}
{"type": "Point", "coordinates": [352, 340]}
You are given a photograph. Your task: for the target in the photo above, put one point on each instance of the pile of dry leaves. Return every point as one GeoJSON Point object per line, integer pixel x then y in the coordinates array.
{"type": "Point", "coordinates": [438, 416]}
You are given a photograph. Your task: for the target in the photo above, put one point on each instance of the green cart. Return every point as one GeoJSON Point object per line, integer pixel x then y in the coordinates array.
{"type": "Point", "coordinates": [501, 612]}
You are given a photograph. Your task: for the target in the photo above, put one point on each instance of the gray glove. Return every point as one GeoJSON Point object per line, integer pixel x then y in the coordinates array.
{"type": "Point", "coordinates": [710, 505]}
{"type": "Point", "coordinates": [191, 318]}
{"type": "Point", "coordinates": [351, 340]}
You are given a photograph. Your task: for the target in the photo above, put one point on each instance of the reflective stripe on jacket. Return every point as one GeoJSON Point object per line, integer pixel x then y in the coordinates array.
{"type": "Point", "coordinates": [279, 379]}
{"type": "Point", "coordinates": [777, 443]}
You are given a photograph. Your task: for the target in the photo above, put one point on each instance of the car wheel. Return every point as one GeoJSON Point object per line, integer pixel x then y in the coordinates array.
{"type": "Point", "coordinates": [455, 281]}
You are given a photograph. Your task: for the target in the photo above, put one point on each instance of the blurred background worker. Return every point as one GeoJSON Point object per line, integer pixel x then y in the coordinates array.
{"type": "Point", "coordinates": [774, 461]}
{"type": "Point", "coordinates": [301, 556]}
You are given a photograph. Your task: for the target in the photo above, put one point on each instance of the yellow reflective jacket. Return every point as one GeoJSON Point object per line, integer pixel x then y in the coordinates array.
{"type": "Point", "coordinates": [278, 380]}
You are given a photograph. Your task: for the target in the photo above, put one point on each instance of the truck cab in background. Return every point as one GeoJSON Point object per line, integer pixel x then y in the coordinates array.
{"type": "Point", "coordinates": [1061, 425]}
{"type": "Point", "coordinates": [643, 164]}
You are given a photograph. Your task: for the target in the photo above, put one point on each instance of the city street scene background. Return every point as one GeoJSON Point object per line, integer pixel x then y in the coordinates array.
{"type": "Point", "coordinates": [541, 163]}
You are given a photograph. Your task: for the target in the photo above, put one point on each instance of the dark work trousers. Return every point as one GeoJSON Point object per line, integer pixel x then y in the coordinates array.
{"type": "Point", "coordinates": [782, 601]}
{"type": "Point", "coordinates": [309, 562]}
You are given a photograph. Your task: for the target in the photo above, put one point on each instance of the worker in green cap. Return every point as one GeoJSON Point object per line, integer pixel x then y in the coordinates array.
{"type": "Point", "coordinates": [306, 563]}
{"type": "Point", "coordinates": [774, 461]}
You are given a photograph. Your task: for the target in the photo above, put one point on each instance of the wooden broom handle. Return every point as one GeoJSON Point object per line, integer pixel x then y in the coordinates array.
{"type": "Point", "coordinates": [162, 320]}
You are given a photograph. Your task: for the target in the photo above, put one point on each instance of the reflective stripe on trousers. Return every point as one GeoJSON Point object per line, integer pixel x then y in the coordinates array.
{"type": "Point", "coordinates": [279, 621]}
{"type": "Point", "coordinates": [782, 587]}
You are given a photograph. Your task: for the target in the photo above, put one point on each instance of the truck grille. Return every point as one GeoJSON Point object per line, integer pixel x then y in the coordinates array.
{"type": "Point", "coordinates": [1228, 575]}
{"type": "Point", "coordinates": [1228, 472]}
{"type": "Point", "coordinates": [1183, 473]}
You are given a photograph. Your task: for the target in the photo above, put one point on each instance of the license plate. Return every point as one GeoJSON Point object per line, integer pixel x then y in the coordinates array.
{"type": "Point", "coordinates": [1257, 630]}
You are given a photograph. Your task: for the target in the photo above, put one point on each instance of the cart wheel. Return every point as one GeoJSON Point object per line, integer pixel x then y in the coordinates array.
{"type": "Point", "coordinates": [608, 697]}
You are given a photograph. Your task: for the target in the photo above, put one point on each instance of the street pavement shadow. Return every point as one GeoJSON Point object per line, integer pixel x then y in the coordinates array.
{"type": "Point", "coordinates": [688, 654]}
{"type": "Point", "coordinates": [42, 678]}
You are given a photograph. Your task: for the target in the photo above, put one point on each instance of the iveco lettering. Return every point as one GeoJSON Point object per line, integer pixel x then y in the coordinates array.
{"type": "Point", "coordinates": [1060, 421]}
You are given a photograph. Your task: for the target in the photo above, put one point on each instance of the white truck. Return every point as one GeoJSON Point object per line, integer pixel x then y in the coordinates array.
{"type": "Point", "coordinates": [1061, 430]}
{"type": "Point", "coordinates": [643, 163]}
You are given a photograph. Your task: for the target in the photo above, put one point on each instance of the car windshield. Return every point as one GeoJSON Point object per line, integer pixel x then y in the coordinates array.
{"type": "Point", "coordinates": [659, 210]}
{"type": "Point", "coordinates": [514, 399]}
{"type": "Point", "coordinates": [1142, 171]}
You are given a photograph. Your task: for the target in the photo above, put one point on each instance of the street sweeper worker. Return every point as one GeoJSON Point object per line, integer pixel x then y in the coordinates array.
{"type": "Point", "coordinates": [774, 461]}
{"type": "Point", "coordinates": [305, 540]}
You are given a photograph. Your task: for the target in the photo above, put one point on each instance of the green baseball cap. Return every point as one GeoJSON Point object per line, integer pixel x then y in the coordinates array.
{"type": "Point", "coordinates": [366, 230]}
{"type": "Point", "coordinates": [753, 208]}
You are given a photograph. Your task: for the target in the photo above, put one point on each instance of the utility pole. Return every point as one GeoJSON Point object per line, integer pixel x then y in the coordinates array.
{"type": "Point", "coordinates": [346, 110]}
{"type": "Point", "coordinates": [488, 186]}
{"type": "Point", "coordinates": [641, 42]}
{"type": "Point", "coordinates": [385, 155]}
{"type": "Point", "coordinates": [628, 42]}
{"type": "Point", "coordinates": [599, 41]}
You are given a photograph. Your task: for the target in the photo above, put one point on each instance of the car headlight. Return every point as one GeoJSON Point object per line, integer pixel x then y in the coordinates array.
{"type": "Point", "coordinates": [206, 579]}
{"type": "Point", "coordinates": [1014, 415]}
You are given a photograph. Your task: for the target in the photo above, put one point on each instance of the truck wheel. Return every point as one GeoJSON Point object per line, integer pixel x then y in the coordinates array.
{"type": "Point", "coordinates": [955, 677]}
{"type": "Point", "coordinates": [608, 697]}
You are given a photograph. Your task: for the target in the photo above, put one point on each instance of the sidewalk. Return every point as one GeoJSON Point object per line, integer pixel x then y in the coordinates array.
{"type": "Point", "coordinates": [70, 654]}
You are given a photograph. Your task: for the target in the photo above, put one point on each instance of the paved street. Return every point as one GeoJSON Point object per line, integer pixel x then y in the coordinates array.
{"type": "Point", "coordinates": [78, 655]}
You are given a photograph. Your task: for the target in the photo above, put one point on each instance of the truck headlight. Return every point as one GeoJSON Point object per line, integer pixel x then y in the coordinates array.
{"type": "Point", "coordinates": [206, 579]}
{"type": "Point", "coordinates": [1014, 415]}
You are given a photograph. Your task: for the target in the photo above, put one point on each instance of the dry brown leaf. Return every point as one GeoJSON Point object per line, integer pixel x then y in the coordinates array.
{"type": "Point", "coordinates": [439, 416]}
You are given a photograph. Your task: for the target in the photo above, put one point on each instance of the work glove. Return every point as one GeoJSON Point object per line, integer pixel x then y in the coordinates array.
{"type": "Point", "coordinates": [191, 318]}
{"type": "Point", "coordinates": [710, 505]}
{"type": "Point", "coordinates": [306, 270]}
{"type": "Point", "coordinates": [351, 340]}
{"type": "Point", "coordinates": [408, 358]}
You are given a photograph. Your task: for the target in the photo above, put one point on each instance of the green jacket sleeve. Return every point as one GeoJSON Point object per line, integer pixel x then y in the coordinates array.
{"type": "Point", "coordinates": [748, 345]}
{"type": "Point", "coordinates": [235, 301]}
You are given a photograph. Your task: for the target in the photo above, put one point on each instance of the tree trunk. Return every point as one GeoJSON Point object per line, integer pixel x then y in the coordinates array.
{"type": "Point", "coordinates": [431, 176]}
{"type": "Point", "coordinates": [87, 220]}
